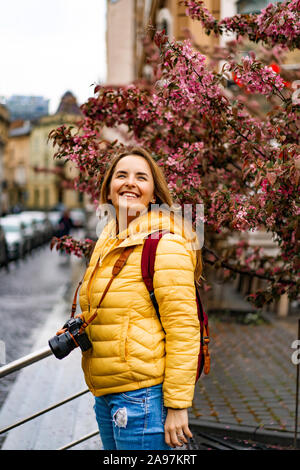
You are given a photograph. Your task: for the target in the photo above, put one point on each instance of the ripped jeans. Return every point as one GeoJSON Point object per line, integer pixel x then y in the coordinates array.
{"type": "Point", "coordinates": [132, 420]}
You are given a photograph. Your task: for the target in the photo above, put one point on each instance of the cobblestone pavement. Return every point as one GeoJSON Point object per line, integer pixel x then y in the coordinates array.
{"type": "Point", "coordinates": [252, 380]}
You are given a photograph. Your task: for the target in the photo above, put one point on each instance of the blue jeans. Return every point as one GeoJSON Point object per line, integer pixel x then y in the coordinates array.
{"type": "Point", "coordinates": [132, 420]}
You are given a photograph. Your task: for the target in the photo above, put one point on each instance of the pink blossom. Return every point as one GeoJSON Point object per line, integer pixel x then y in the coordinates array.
{"type": "Point", "coordinates": [277, 23]}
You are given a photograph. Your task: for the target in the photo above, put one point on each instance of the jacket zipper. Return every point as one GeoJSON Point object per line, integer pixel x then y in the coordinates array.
{"type": "Point", "coordinates": [98, 264]}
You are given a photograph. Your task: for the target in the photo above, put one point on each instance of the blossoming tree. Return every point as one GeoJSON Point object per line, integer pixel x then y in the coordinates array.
{"type": "Point", "coordinates": [215, 150]}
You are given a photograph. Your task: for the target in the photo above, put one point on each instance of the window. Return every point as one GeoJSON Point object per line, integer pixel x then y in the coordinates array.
{"type": "Point", "coordinates": [46, 195]}
{"type": "Point", "coordinates": [164, 21]}
{"type": "Point", "coordinates": [80, 198]}
{"type": "Point", "coordinates": [36, 198]}
{"type": "Point", "coordinates": [253, 6]}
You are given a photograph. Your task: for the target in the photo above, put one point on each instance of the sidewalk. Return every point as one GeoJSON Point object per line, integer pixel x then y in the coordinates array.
{"type": "Point", "coordinates": [252, 383]}
{"type": "Point", "coordinates": [251, 386]}
{"type": "Point", "coordinates": [45, 383]}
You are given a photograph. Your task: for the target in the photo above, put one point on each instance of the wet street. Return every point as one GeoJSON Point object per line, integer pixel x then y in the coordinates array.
{"type": "Point", "coordinates": [28, 292]}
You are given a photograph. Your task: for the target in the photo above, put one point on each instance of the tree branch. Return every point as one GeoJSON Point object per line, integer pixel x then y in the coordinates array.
{"type": "Point", "coordinates": [244, 271]}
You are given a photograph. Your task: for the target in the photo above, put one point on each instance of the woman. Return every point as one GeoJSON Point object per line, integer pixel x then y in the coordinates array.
{"type": "Point", "coordinates": [141, 370]}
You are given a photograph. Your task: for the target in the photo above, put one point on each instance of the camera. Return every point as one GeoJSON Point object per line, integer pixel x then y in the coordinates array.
{"type": "Point", "coordinates": [61, 345]}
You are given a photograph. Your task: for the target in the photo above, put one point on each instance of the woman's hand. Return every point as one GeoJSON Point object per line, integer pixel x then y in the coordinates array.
{"type": "Point", "coordinates": [176, 427]}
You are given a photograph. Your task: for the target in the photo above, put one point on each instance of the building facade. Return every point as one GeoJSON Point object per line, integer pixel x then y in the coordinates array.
{"type": "Point", "coordinates": [46, 189]}
{"type": "Point", "coordinates": [4, 127]}
{"type": "Point", "coordinates": [127, 22]}
{"type": "Point", "coordinates": [16, 164]}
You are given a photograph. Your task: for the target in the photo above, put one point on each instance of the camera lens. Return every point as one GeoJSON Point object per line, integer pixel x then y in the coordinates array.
{"type": "Point", "coordinates": [61, 345]}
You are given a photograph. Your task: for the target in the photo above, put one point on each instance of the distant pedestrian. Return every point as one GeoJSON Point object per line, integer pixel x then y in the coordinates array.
{"type": "Point", "coordinates": [140, 369]}
{"type": "Point", "coordinates": [65, 223]}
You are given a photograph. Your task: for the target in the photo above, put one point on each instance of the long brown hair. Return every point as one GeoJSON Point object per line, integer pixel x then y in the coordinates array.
{"type": "Point", "coordinates": [161, 190]}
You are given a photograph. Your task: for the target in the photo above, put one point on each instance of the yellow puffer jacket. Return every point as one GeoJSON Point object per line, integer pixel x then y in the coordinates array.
{"type": "Point", "coordinates": [130, 349]}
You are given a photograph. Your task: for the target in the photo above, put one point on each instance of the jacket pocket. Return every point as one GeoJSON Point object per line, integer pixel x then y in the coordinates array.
{"type": "Point", "coordinates": [123, 341]}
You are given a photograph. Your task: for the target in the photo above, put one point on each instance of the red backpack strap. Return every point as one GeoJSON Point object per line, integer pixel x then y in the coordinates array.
{"type": "Point", "coordinates": [148, 257]}
{"type": "Point", "coordinates": [148, 261]}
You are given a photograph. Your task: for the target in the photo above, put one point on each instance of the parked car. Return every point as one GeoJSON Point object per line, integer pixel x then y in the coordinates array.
{"type": "Point", "coordinates": [4, 255]}
{"type": "Point", "coordinates": [17, 240]}
{"type": "Point", "coordinates": [31, 229]}
{"type": "Point", "coordinates": [42, 225]}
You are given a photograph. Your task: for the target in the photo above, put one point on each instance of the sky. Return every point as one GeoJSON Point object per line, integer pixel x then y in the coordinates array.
{"type": "Point", "coordinates": [50, 47]}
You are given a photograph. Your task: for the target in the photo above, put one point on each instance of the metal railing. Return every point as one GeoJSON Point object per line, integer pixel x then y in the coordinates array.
{"type": "Point", "coordinates": [24, 362]}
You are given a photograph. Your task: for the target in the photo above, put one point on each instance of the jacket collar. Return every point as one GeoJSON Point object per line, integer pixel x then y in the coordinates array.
{"type": "Point", "coordinates": [139, 229]}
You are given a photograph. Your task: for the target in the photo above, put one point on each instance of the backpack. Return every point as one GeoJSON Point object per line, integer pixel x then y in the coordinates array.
{"type": "Point", "coordinates": [147, 265]}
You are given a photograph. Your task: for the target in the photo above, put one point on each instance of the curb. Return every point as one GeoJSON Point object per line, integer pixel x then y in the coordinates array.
{"type": "Point", "coordinates": [253, 433]}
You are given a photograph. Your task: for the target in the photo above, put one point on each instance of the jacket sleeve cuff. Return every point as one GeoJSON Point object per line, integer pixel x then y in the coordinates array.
{"type": "Point", "coordinates": [177, 405]}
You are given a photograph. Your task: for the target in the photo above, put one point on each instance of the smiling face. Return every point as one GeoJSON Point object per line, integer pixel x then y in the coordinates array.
{"type": "Point", "coordinates": [131, 188]}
